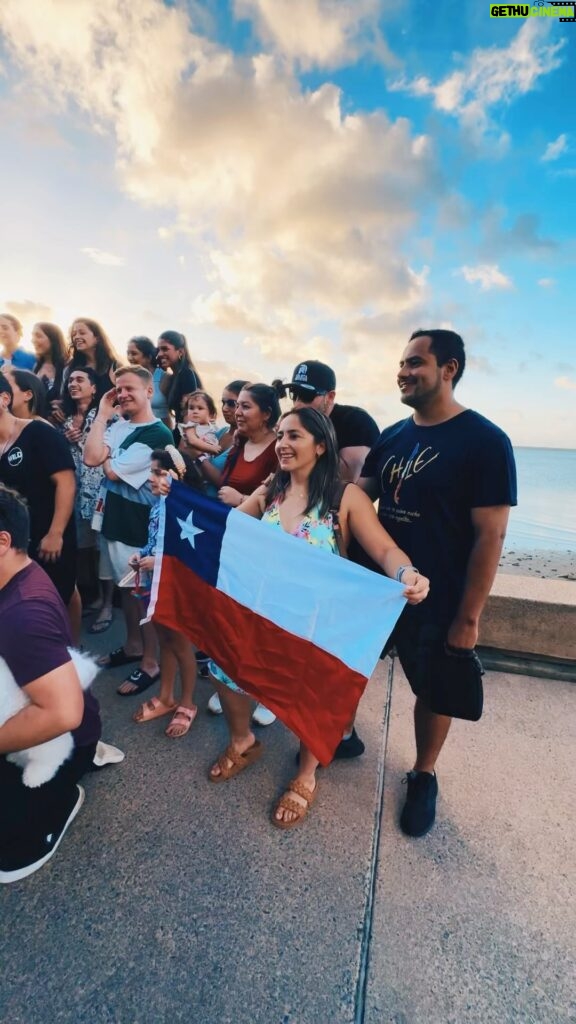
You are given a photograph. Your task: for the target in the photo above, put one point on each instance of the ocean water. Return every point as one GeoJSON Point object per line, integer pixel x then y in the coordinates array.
{"type": "Point", "coordinates": [545, 517]}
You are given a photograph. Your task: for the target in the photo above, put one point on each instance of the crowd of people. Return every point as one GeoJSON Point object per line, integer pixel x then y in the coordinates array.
{"type": "Point", "coordinates": [88, 445]}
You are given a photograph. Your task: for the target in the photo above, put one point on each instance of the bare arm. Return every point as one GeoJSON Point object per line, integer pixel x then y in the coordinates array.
{"type": "Point", "coordinates": [358, 517]}
{"type": "Point", "coordinates": [211, 473]}
{"type": "Point", "coordinates": [57, 705]}
{"type": "Point", "coordinates": [351, 462]}
{"type": "Point", "coordinates": [95, 451]}
{"type": "Point", "coordinates": [255, 503]}
{"type": "Point", "coordinates": [489, 529]}
{"type": "Point", "coordinates": [50, 547]}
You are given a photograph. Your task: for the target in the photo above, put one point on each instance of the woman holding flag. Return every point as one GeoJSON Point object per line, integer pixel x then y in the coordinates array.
{"type": "Point", "coordinates": [304, 499]}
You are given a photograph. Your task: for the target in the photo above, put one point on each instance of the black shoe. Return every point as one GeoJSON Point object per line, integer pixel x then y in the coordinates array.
{"type": "Point", "coordinates": [419, 810]}
{"type": "Point", "coordinates": [202, 658]}
{"type": "Point", "coordinates": [19, 864]}
{"type": "Point", "coordinates": [352, 747]}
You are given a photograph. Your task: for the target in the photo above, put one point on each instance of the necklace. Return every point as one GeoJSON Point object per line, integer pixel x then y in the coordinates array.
{"type": "Point", "coordinates": [7, 444]}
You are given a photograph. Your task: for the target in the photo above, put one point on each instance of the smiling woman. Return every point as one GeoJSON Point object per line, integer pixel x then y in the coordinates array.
{"type": "Point", "coordinates": [302, 499]}
{"type": "Point", "coordinates": [91, 346]}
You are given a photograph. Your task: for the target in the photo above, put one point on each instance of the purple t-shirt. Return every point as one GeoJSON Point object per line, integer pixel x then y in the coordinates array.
{"type": "Point", "coordinates": [35, 636]}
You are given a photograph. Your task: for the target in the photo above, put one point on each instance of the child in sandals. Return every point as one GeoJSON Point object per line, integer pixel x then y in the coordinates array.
{"type": "Point", "coordinates": [176, 651]}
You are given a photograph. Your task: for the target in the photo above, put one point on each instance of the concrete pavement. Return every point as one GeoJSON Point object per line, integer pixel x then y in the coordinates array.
{"type": "Point", "coordinates": [172, 899]}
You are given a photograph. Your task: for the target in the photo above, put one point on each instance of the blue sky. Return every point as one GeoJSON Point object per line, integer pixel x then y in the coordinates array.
{"type": "Point", "coordinates": [282, 179]}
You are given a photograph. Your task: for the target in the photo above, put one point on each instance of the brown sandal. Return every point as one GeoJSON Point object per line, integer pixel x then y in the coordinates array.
{"type": "Point", "coordinates": [239, 762]}
{"type": "Point", "coordinates": [286, 803]}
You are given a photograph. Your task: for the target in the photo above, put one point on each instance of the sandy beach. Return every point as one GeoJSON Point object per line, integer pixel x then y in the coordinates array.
{"type": "Point", "coordinates": [552, 565]}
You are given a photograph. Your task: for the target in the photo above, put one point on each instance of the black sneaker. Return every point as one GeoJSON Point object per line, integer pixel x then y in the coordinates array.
{"type": "Point", "coordinates": [352, 747]}
{"type": "Point", "coordinates": [202, 658]}
{"type": "Point", "coordinates": [14, 867]}
{"type": "Point", "coordinates": [419, 810]}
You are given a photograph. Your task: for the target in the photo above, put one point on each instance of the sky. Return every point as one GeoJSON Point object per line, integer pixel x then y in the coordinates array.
{"type": "Point", "coordinates": [283, 180]}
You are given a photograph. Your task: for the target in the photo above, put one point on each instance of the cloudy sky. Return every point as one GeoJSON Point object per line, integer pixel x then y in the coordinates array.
{"type": "Point", "coordinates": [282, 179]}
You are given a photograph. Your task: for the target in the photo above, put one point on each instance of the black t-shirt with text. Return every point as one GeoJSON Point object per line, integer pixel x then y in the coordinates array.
{"type": "Point", "coordinates": [429, 479]}
{"type": "Point", "coordinates": [27, 466]}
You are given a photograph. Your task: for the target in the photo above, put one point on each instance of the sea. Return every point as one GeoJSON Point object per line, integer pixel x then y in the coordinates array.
{"type": "Point", "coordinates": [545, 517]}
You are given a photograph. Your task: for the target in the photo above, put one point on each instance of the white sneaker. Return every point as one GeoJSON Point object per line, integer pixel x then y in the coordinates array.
{"type": "Point", "coordinates": [107, 754]}
{"type": "Point", "coordinates": [262, 716]}
{"type": "Point", "coordinates": [214, 705]}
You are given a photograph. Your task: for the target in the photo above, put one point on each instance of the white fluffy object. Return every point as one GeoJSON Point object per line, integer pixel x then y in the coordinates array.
{"type": "Point", "coordinates": [41, 763]}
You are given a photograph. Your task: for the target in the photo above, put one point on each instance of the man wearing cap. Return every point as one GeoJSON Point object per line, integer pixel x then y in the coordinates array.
{"type": "Point", "coordinates": [445, 479]}
{"type": "Point", "coordinates": [314, 384]}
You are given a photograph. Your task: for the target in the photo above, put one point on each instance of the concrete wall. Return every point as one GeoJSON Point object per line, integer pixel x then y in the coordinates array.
{"type": "Point", "coordinates": [532, 617]}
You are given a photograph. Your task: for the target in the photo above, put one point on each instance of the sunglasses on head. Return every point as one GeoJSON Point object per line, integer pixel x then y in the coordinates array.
{"type": "Point", "coordinates": [229, 403]}
{"type": "Point", "coordinates": [304, 395]}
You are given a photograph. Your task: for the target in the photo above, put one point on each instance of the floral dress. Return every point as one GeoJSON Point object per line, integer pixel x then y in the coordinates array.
{"type": "Point", "coordinates": [88, 478]}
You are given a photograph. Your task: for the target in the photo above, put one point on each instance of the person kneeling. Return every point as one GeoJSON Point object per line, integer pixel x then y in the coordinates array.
{"type": "Point", "coordinates": [34, 643]}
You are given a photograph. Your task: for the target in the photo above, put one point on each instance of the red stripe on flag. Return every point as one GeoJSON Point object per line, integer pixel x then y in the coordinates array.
{"type": "Point", "coordinates": [311, 691]}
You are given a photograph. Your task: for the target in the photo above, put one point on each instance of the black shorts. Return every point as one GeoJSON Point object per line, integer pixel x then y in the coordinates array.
{"type": "Point", "coordinates": [62, 572]}
{"type": "Point", "coordinates": [417, 642]}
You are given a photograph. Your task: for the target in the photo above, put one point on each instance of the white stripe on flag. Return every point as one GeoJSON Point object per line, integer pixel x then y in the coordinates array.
{"type": "Point", "coordinates": [339, 606]}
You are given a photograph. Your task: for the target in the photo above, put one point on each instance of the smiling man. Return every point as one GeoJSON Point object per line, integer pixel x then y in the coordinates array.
{"type": "Point", "coordinates": [314, 384]}
{"type": "Point", "coordinates": [124, 450]}
{"type": "Point", "coordinates": [445, 479]}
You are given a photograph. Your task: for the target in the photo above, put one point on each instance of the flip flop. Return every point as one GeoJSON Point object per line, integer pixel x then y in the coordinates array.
{"type": "Point", "coordinates": [186, 716]}
{"type": "Point", "coordinates": [142, 680]}
{"type": "Point", "coordinates": [101, 626]}
{"type": "Point", "coordinates": [117, 658]}
{"type": "Point", "coordinates": [151, 709]}
{"type": "Point", "coordinates": [287, 803]}
{"type": "Point", "coordinates": [239, 762]}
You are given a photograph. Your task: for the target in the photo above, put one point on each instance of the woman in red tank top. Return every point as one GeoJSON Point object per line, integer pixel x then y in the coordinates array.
{"type": "Point", "coordinates": [254, 458]}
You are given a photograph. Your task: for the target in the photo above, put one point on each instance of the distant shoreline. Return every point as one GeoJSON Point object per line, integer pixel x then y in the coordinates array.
{"type": "Point", "coordinates": [550, 565]}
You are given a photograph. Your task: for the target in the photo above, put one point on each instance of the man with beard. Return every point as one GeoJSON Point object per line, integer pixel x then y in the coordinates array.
{"type": "Point", "coordinates": [445, 479]}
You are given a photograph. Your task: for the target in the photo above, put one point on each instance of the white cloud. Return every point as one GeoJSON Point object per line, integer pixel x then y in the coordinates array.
{"type": "Point", "coordinates": [318, 33]}
{"type": "Point", "coordinates": [491, 76]}
{"type": "Point", "coordinates": [487, 275]}
{"type": "Point", "coordinates": [297, 211]}
{"type": "Point", "coordinates": [104, 259]}
{"type": "Point", "coordinates": [546, 282]}
{"type": "Point", "coordinates": [29, 311]}
{"type": "Point", "coordinates": [555, 149]}
{"type": "Point", "coordinates": [565, 383]}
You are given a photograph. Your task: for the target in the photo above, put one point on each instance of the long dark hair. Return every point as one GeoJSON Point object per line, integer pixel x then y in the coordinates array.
{"type": "Point", "coordinates": [28, 381]}
{"type": "Point", "coordinates": [106, 355]}
{"type": "Point", "coordinates": [58, 354]}
{"type": "Point", "coordinates": [325, 474]}
{"type": "Point", "coordinates": [179, 342]}
{"type": "Point", "coordinates": [68, 403]}
{"type": "Point", "coordinates": [266, 398]}
{"type": "Point", "coordinates": [146, 348]}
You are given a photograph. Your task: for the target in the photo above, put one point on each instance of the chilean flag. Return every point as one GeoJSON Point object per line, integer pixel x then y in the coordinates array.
{"type": "Point", "coordinates": [298, 628]}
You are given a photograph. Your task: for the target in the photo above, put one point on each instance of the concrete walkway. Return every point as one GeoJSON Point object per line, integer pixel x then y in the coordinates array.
{"type": "Point", "coordinates": [172, 899]}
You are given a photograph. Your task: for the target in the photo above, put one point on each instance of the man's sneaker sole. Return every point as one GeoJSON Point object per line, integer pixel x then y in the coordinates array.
{"type": "Point", "coordinates": [19, 873]}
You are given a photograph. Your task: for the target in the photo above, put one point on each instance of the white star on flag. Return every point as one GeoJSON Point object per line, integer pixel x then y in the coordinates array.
{"type": "Point", "coordinates": [189, 531]}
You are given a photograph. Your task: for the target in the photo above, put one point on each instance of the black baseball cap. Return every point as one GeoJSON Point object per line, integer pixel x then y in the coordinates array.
{"type": "Point", "coordinates": [314, 377]}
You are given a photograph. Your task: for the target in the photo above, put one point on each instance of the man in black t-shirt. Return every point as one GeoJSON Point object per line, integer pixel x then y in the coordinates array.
{"type": "Point", "coordinates": [34, 641]}
{"type": "Point", "coordinates": [314, 384]}
{"type": "Point", "coordinates": [445, 479]}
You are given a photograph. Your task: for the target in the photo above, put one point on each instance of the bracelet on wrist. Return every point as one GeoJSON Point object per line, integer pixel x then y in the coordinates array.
{"type": "Point", "coordinates": [404, 568]}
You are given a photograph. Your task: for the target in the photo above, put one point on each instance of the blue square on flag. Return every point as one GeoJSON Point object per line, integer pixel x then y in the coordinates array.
{"type": "Point", "coordinates": [194, 530]}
